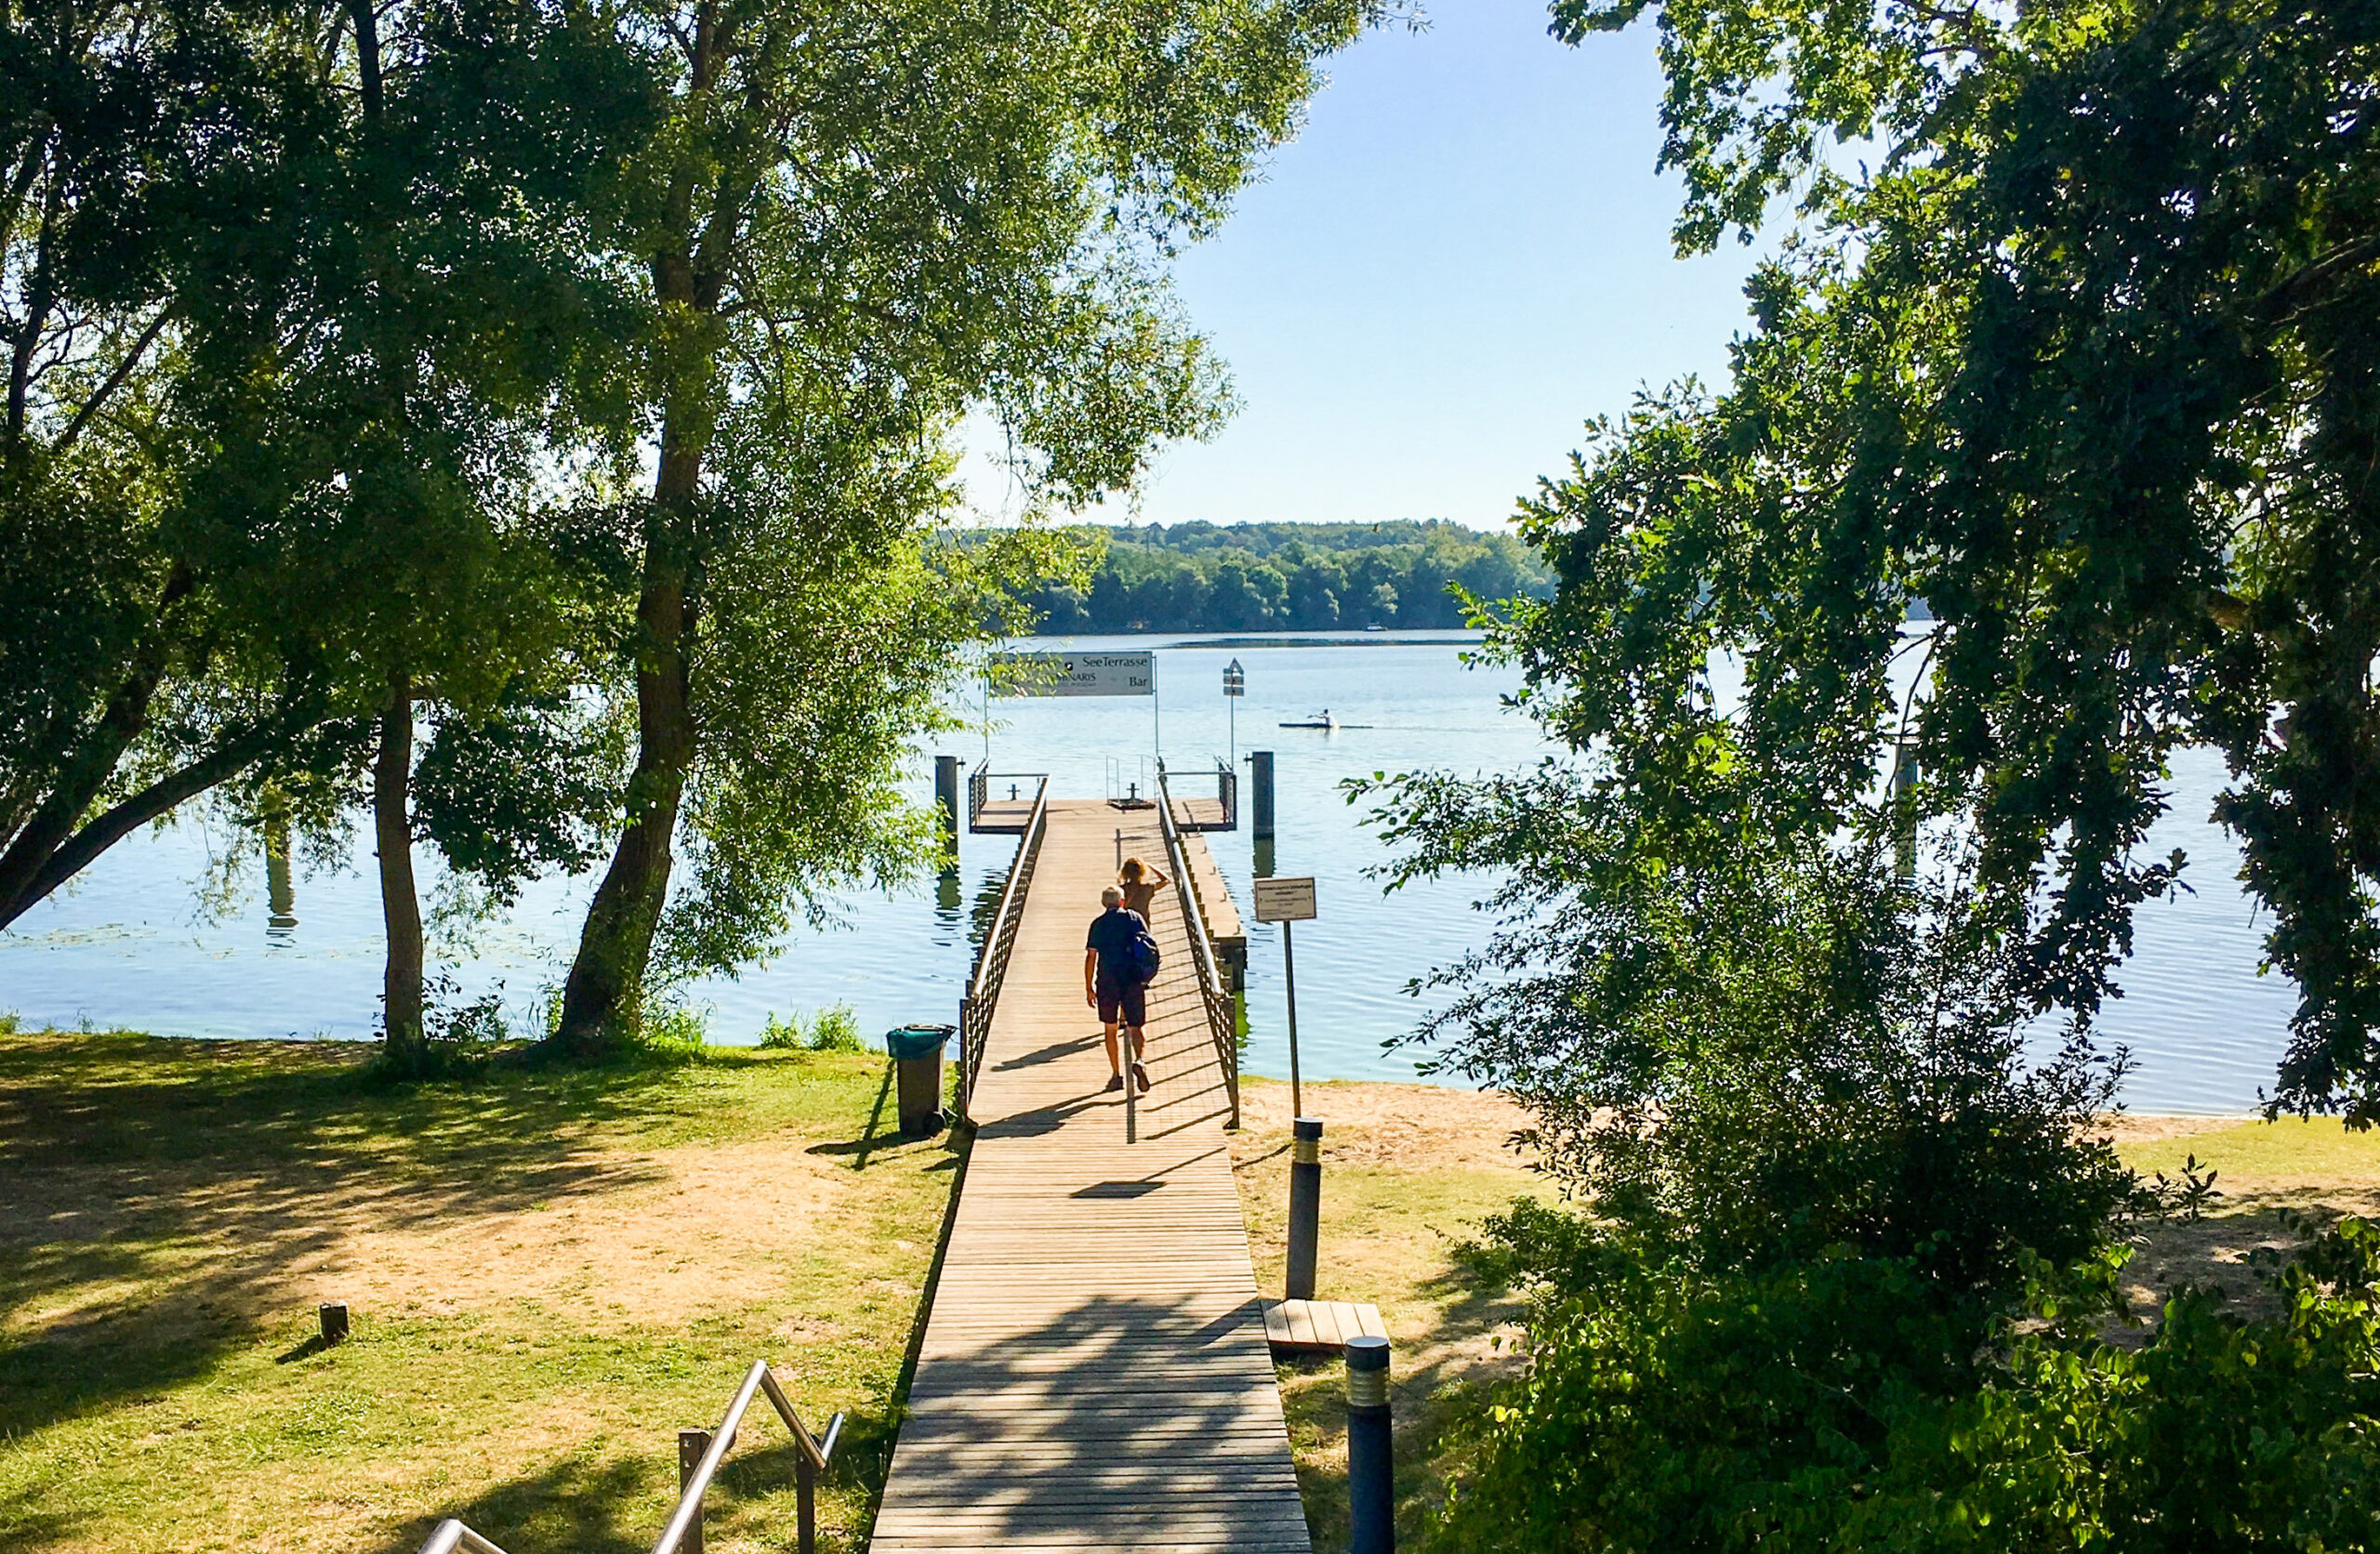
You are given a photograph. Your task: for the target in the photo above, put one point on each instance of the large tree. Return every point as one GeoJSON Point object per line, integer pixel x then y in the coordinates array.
{"type": "Point", "coordinates": [108, 630]}
{"type": "Point", "coordinates": [858, 223]}
{"type": "Point", "coordinates": [2078, 343]}
{"type": "Point", "coordinates": [293, 324]}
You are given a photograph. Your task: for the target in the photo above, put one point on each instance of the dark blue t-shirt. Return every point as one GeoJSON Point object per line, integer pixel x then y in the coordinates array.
{"type": "Point", "coordinates": [1112, 933]}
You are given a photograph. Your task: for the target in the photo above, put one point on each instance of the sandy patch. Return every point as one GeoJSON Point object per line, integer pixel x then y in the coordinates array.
{"type": "Point", "coordinates": [2126, 1129]}
{"type": "Point", "coordinates": [632, 1237]}
{"type": "Point", "coordinates": [1375, 1124]}
{"type": "Point", "coordinates": [700, 1237]}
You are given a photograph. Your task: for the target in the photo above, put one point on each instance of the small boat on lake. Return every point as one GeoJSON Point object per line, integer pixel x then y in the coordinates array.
{"type": "Point", "coordinates": [1324, 721]}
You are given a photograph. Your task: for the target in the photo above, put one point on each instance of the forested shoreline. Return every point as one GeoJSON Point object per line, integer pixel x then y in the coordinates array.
{"type": "Point", "coordinates": [1292, 577]}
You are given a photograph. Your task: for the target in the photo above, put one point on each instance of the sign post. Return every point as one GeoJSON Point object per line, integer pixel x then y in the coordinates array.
{"type": "Point", "coordinates": [1286, 899]}
{"type": "Point", "coordinates": [1235, 687]}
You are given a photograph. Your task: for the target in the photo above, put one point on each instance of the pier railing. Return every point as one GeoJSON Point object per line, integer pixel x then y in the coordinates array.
{"type": "Point", "coordinates": [683, 1535]}
{"type": "Point", "coordinates": [991, 959]}
{"type": "Point", "coordinates": [1214, 992]}
{"type": "Point", "coordinates": [1194, 812]}
{"type": "Point", "coordinates": [979, 797]}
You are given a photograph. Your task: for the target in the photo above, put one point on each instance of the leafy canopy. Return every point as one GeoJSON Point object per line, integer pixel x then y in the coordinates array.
{"type": "Point", "coordinates": [2076, 347]}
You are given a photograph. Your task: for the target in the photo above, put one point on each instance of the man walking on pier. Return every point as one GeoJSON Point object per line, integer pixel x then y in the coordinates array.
{"type": "Point", "coordinates": [1114, 981]}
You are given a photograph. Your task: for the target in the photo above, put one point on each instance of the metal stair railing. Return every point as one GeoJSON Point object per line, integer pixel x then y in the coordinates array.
{"type": "Point", "coordinates": [983, 995]}
{"type": "Point", "coordinates": [816, 1453]}
{"type": "Point", "coordinates": [1223, 1022]}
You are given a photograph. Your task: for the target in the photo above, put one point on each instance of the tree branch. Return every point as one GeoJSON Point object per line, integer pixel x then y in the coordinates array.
{"type": "Point", "coordinates": [114, 381]}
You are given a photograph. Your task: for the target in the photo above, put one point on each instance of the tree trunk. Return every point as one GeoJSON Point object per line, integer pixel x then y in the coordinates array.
{"type": "Point", "coordinates": [400, 907]}
{"type": "Point", "coordinates": [601, 1002]}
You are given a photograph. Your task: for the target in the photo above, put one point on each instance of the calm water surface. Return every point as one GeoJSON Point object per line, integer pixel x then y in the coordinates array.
{"type": "Point", "coordinates": [131, 945]}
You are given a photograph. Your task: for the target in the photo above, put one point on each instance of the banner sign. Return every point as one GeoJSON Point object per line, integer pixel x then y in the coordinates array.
{"type": "Point", "coordinates": [1078, 674]}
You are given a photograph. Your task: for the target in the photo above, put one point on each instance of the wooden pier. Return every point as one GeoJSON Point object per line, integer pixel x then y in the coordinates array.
{"type": "Point", "coordinates": [1095, 1373]}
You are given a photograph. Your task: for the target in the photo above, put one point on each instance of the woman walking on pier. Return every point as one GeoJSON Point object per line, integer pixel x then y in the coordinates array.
{"type": "Point", "coordinates": [1140, 884]}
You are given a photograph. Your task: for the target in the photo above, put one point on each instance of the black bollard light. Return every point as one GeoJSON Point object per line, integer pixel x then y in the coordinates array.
{"type": "Point", "coordinates": [1305, 1204]}
{"type": "Point", "coordinates": [1371, 1474]}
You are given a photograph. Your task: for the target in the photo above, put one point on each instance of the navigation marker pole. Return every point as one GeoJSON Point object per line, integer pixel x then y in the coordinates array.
{"type": "Point", "coordinates": [1235, 687]}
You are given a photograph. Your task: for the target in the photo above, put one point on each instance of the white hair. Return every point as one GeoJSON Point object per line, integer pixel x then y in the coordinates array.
{"type": "Point", "coordinates": [1111, 897]}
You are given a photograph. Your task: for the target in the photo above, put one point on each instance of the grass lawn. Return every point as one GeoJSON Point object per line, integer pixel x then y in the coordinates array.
{"type": "Point", "coordinates": [1407, 1170]}
{"type": "Point", "coordinates": [2268, 1174]}
{"type": "Point", "coordinates": [549, 1273]}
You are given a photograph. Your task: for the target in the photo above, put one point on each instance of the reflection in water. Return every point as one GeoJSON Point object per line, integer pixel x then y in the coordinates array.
{"type": "Point", "coordinates": [987, 906]}
{"type": "Point", "coordinates": [281, 898]}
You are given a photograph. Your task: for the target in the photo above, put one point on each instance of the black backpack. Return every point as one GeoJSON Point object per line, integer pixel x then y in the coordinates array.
{"type": "Point", "coordinates": [1141, 958]}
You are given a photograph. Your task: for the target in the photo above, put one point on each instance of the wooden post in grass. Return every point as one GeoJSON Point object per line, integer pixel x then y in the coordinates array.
{"type": "Point", "coordinates": [692, 1445]}
{"type": "Point", "coordinates": [805, 1496]}
{"type": "Point", "coordinates": [333, 1316]}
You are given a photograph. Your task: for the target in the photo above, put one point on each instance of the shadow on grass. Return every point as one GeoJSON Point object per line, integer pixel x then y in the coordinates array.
{"type": "Point", "coordinates": [583, 1505]}
{"type": "Point", "coordinates": [860, 1148]}
{"type": "Point", "coordinates": [155, 1196]}
{"type": "Point", "coordinates": [578, 1505]}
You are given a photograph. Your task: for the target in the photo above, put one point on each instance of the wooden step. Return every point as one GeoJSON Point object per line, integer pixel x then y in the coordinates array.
{"type": "Point", "coordinates": [1319, 1327]}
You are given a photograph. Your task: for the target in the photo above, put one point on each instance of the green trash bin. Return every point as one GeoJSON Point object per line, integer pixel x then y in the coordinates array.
{"type": "Point", "coordinates": [916, 1065]}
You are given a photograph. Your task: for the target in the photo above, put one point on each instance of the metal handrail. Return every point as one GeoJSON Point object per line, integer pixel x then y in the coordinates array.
{"type": "Point", "coordinates": [816, 1453]}
{"type": "Point", "coordinates": [979, 788]}
{"type": "Point", "coordinates": [1223, 1024]}
{"type": "Point", "coordinates": [451, 1534]}
{"type": "Point", "coordinates": [982, 994]}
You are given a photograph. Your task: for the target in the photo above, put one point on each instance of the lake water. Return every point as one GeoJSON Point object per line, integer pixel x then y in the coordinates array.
{"type": "Point", "coordinates": [130, 945]}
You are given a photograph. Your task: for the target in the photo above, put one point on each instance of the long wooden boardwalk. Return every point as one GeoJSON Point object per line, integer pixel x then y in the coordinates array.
{"type": "Point", "coordinates": [1095, 1371]}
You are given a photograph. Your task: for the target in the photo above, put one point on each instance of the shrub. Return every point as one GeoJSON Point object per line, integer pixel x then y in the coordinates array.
{"type": "Point", "coordinates": [1829, 1404]}
{"type": "Point", "coordinates": [457, 1037]}
{"type": "Point", "coordinates": [834, 1029]}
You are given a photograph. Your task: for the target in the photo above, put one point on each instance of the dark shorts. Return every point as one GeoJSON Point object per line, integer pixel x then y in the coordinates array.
{"type": "Point", "coordinates": [1132, 1002]}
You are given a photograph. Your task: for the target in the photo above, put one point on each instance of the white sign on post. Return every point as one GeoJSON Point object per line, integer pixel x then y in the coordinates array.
{"type": "Point", "coordinates": [1285, 898]}
{"type": "Point", "coordinates": [1079, 674]}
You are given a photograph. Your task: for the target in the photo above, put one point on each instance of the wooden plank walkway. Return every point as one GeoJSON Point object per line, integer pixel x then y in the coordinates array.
{"type": "Point", "coordinates": [1095, 1371]}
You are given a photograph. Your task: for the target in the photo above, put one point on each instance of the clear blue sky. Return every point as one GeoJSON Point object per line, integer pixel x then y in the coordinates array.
{"type": "Point", "coordinates": [1463, 255]}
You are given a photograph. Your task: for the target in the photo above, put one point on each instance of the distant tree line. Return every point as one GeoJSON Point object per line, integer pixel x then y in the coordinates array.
{"type": "Point", "coordinates": [1292, 577]}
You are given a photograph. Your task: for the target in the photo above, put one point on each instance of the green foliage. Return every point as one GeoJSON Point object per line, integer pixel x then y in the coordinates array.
{"type": "Point", "coordinates": [1291, 577]}
{"type": "Point", "coordinates": [2079, 361]}
{"type": "Point", "coordinates": [459, 1038]}
{"type": "Point", "coordinates": [1825, 1405]}
{"type": "Point", "coordinates": [520, 790]}
{"type": "Point", "coordinates": [860, 225]}
{"type": "Point", "coordinates": [833, 1029]}
{"type": "Point", "coordinates": [2218, 1434]}
{"type": "Point", "coordinates": [1741, 1045]}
